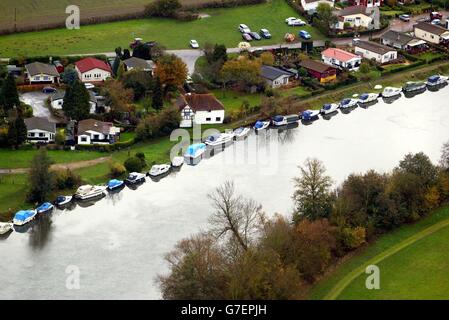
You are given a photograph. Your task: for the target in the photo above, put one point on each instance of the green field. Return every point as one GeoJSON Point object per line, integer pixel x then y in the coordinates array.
{"type": "Point", "coordinates": [220, 27]}
{"type": "Point", "coordinates": [413, 262]}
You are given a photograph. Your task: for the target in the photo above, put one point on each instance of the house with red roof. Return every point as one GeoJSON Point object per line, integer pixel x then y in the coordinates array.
{"type": "Point", "coordinates": [198, 108]}
{"type": "Point", "coordinates": [341, 59]}
{"type": "Point", "coordinates": [92, 70]}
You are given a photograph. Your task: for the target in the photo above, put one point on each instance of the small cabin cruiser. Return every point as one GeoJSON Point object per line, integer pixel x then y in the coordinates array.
{"type": "Point", "coordinates": [45, 207]}
{"type": "Point", "coordinates": [241, 133]}
{"type": "Point", "coordinates": [115, 184]}
{"type": "Point", "coordinates": [195, 153]}
{"type": "Point", "coordinates": [391, 92]}
{"type": "Point", "coordinates": [348, 103]}
{"type": "Point", "coordinates": [279, 121]}
{"type": "Point", "coordinates": [435, 80]}
{"type": "Point", "coordinates": [414, 86]}
{"type": "Point", "coordinates": [219, 139]}
{"type": "Point", "coordinates": [5, 227]}
{"type": "Point", "coordinates": [368, 97]}
{"type": "Point", "coordinates": [310, 115]}
{"type": "Point", "coordinates": [135, 178]}
{"type": "Point", "coordinates": [261, 125]}
{"type": "Point", "coordinates": [329, 108]}
{"type": "Point", "coordinates": [88, 192]}
{"type": "Point", "coordinates": [63, 200]}
{"type": "Point", "coordinates": [22, 217]}
{"type": "Point", "coordinates": [177, 162]}
{"type": "Point", "coordinates": [292, 118]}
{"type": "Point", "coordinates": [159, 170]}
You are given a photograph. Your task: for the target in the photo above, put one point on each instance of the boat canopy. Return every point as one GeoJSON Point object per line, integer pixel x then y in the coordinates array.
{"type": "Point", "coordinates": [194, 148]}
{"type": "Point", "coordinates": [327, 106]}
{"type": "Point", "coordinates": [259, 124]}
{"type": "Point", "coordinates": [433, 78]}
{"type": "Point", "coordinates": [345, 101]}
{"type": "Point", "coordinates": [60, 199]}
{"type": "Point", "coordinates": [23, 215]}
{"type": "Point", "coordinates": [45, 206]}
{"type": "Point", "coordinates": [278, 118]}
{"type": "Point", "coordinates": [364, 96]}
{"type": "Point", "coordinates": [114, 183]}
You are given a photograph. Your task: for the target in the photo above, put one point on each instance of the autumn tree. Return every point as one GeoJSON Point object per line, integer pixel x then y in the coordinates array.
{"type": "Point", "coordinates": [242, 70]}
{"type": "Point", "coordinates": [312, 196]}
{"type": "Point", "coordinates": [267, 58]}
{"type": "Point", "coordinates": [140, 82]}
{"type": "Point", "coordinates": [171, 71]}
{"type": "Point", "coordinates": [420, 165]}
{"type": "Point", "coordinates": [76, 103]}
{"type": "Point", "coordinates": [117, 96]}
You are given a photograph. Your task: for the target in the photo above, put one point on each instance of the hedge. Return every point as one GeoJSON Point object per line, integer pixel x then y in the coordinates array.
{"type": "Point", "coordinates": [106, 147]}
{"type": "Point", "coordinates": [403, 68]}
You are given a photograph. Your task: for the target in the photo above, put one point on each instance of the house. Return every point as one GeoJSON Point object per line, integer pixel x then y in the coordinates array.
{"type": "Point", "coordinates": [14, 70]}
{"type": "Point", "coordinates": [431, 33]}
{"type": "Point", "coordinates": [403, 41]}
{"type": "Point", "coordinates": [375, 51]}
{"type": "Point", "coordinates": [341, 59]}
{"type": "Point", "coordinates": [92, 70]}
{"type": "Point", "coordinates": [200, 109]}
{"type": "Point", "coordinates": [41, 73]}
{"type": "Point", "coordinates": [57, 100]}
{"type": "Point", "coordinates": [134, 63]}
{"type": "Point", "coordinates": [319, 70]}
{"type": "Point", "coordinates": [40, 130]}
{"type": "Point", "coordinates": [310, 5]}
{"type": "Point", "coordinates": [358, 16]}
{"type": "Point", "coordinates": [276, 77]}
{"type": "Point", "coordinates": [91, 131]}
{"type": "Point", "coordinates": [367, 3]}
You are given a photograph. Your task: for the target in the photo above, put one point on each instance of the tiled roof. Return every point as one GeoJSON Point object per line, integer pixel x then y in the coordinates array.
{"type": "Point", "coordinates": [200, 102]}
{"type": "Point", "coordinates": [338, 54]}
{"type": "Point", "coordinates": [88, 64]}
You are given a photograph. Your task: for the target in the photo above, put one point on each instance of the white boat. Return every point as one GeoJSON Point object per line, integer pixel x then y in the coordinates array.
{"type": "Point", "coordinates": [219, 139]}
{"type": "Point", "coordinates": [159, 169]}
{"type": "Point", "coordinates": [135, 178]}
{"type": "Point", "coordinates": [241, 132]}
{"type": "Point", "coordinates": [368, 97]}
{"type": "Point", "coordinates": [194, 153]}
{"type": "Point", "coordinates": [24, 216]}
{"type": "Point", "coordinates": [414, 86]}
{"type": "Point", "coordinates": [177, 162]}
{"type": "Point", "coordinates": [5, 227]}
{"type": "Point", "coordinates": [279, 121]}
{"type": "Point", "coordinates": [391, 92]}
{"type": "Point", "coordinates": [348, 103]}
{"type": "Point", "coordinates": [261, 125]}
{"type": "Point", "coordinates": [436, 80]}
{"type": "Point", "coordinates": [88, 192]}
{"type": "Point", "coordinates": [310, 115]}
{"type": "Point", "coordinates": [329, 108]}
{"type": "Point", "coordinates": [63, 200]}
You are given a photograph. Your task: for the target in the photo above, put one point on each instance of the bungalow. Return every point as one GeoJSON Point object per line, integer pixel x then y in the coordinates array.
{"type": "Point", "coordinates": [40, 130]}
{"type": "Point", "coordinates": [310, 5]}
{"type": "Point", "coordinates": [341, 59]}
{"type": "Point", "coordinates": [431, 33]}
{"type": "Point", "coordinates": [200, 109]}
{"type": "Point", "coordinates": [134, 63]}
{"type": "Point", "coordinates": [91, 131]}
{"type": "Point", "coordinates": [375, 51]}
{"type": "Point", "coordinates": [358, 16]}
{"type": "Point", "coordinates": [321, 71]}
{"type": "Point", "coordinates": [368, 3]}
{"type": "Point", "coordinates": [92, 70]}
{"type": "Point", "coordinates": [403, 41]}
{"type": "Point", "coordinates": [41, 73]}
{"type": "Point", "coordinates": [276, 77]}
{"type": "Point", "coordinates": [57, 100]}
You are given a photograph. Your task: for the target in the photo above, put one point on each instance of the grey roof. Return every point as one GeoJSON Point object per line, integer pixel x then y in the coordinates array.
{"type": "Point", "coordinates": [397, 37]}
{"type": "Point", "coordinates": [40, 124]}
{"type": "Point", "coordinates": [37, 68]}
{"type": "Point", "coordinates": [373, 47]}
{"type": "Point", "coordinates": [434, 29]}
{"type": "Point", "coordinates": [58, 95]}
{"type": "Point", "coordinates": [272, 73]}
{"type": "Point", "coordinates": [138, 63]}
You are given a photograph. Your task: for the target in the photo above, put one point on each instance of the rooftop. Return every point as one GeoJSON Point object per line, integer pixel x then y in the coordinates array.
{"type": "Point", "coordinates": [88, 64]}
{"type": "Point", "coordinates": [40, 124]}
{"type": "Point", "coordinates": [37, 68]}
{"type": "Point", "coordinates": [199, 102]}
{"type": "Point", "coordinates": [339, 54]}
{"type": "Point", "coordinates": [272, 73]}
{"type": "Point", "coordinates": [373, 47]}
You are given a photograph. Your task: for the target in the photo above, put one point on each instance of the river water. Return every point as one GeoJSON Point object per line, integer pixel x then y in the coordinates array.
{"type": "Point", "coordinates": [118, 244]}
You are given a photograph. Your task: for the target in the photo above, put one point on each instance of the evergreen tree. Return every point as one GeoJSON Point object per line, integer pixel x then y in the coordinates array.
{"type": "Point", "coordinates": [41, 179]}
{"type": "Point", "coordinates": [157, 101]}
{"type": "Point", "coordinates": [9, 97]}
{"type": "Point", "coordinates": [116, 65]}
{"type": "Point", "coordinates": [69, 76]}
{"type": "Point", "coordinates": [76, 101]}
{"type": "Point", "coordinates": [219, 53]}
{"type": "Point", "coordinates": [17, 132]}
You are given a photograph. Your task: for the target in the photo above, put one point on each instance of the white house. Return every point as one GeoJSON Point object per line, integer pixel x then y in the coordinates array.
{"type": "Point", "coordinates": [431, 33]}
{"type": "Point", "coordinates": [311, 5]}
{"type": "Point", "coordinates": [40, 130]}
{"type": "Point", "coordinates": [91, 131]}
{"type": "Point", "coordinates": [276, 77]}
{"type": "Point", "coordinates": [41, 73]}
{"type": "Point", "coordinates": [57, 100]}
{"type": "Point", "coordinates": [358, 17]}
{"type": "Point", "coordinates": [375, 51]}
{"type": "Point", "coordinates": [134, 63]}
{"type": "Point", "coordinates": [92, 70]}
{"type": "Point", "coordinates": [200, 109]}
{"type": "Point", "coordinates": [341, 59]}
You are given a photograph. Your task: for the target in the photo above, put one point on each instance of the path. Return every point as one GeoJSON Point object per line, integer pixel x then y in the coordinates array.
{"type": "Point", "coordinates": [345, 281]}
{"type": "Point", "coordinates": [61, 166]}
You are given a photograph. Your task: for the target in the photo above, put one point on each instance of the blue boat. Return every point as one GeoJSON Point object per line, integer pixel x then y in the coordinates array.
{"type": "Point", "coordinates": [348, 103]}
{"type": "Point", "coordinates": [24, 216]}
{"type": "Point", "coordinates": [310, 115]}
{"type": "Point", "coordinates": [195, 153]}
{"type": "Point", "coordinates": [115, 184]}
{"type": "Point", "coordinates": [261, 125]}
{"type": "Point", "coordinates": [435, 80]}
{"type": "Point", "coordinates": [45, 207]}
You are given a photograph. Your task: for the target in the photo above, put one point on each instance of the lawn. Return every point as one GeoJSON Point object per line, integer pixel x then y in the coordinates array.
{"type": "Point", "coordinates": [220, 27]}
{"type": "Point", "coordinates": [233, 100]}
{"type": "Point", "coordinates": [418, 271]}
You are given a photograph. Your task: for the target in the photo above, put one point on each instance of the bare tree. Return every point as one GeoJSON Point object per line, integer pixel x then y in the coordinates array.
{"type": "Point", "coordinates": [444, 161]}
{"type": "Point", "coordinates": [235, 215]}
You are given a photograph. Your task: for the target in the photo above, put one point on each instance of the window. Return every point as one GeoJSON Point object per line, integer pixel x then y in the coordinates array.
{"type": "Point", "coordinates": [31, 134]}
{"type": "Point", "coordinates": [208, 119]}
{"type": "Point", "coordinates": [96, 136]}
{"type": "Point", "coordinates": [37, 78]}
{"type": "Point", "coordinates": [41, 134]}
{"type": "Point", "coordinates": [83, 139]}
{"type": "Point", "coordinates": [218, 119]}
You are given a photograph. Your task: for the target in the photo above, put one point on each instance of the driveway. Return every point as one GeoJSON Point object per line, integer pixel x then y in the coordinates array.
{"type": "Point", "coordinates": [36, 100]}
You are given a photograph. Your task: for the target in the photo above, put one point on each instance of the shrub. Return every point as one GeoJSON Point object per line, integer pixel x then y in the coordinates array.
{"type": "Point", "coordinates": [67, 179]}
{"type": "Point", "coordinates": [116, 170]}
{"type": "Point", "coordinates": [133, 164]}
{"type": "Point", "coordinates": [141, 156]}
{"type": "Point", "coordinates": [163, 8]}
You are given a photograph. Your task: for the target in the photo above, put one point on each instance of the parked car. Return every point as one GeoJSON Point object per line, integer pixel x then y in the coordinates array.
{"type": "Point", "coordinates": [290, 18]}
{"type": "Point", "coordinates": [436, 22]}
{"type": "Point", "coordinates": [89, 86]}
{"type": "Point", "coordinates": [243, 28]}
{"type": "Point", "coordinates": [296, 22]}
{"type": "Point", "coordinates": [404, 17]}
{"type": "Point", "coordinates": [194, 44]}
{"type": "Point", "coordinates": [247, 37]}
{"type": "Point", "coordinates": [255, 35]}
{"type": "Point", "coordinates": [435, 15]}
{"type": "Point", "coordinates": [265, 33]}
{"type": "Point", "coordinates": [304, 34]}
{"type": "Point", "coordinates": [48, 90]}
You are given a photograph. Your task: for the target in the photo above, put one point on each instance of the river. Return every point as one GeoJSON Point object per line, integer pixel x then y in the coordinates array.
{"type": "Point", "coordinates": [118, 244]}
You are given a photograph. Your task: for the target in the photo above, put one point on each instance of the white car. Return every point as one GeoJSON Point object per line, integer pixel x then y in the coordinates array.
{"type": "Point", "coordinates": [194, 44]}
{"type": "Point", "coordinates": [243, 28]}
{"type": "Point", "coordinates": [295, 22]}
{"type": "Point", "coordinates": [89, 86]}
{"type": "Point", "coordinates": [290, 18]}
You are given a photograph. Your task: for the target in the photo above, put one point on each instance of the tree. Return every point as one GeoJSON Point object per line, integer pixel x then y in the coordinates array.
{"type": "Point", "coordinates": [163, 8]}
{"type": "Point", "coordinates": [142, 51]}
{"type": "Point", "coordinates": [17, 132]}
{"type": "Point", "coordinates": [171, 71]}
{"type": "Point", "coordinates": [267, 58]}
{"type": "Point", "coordinates": [9, 97]}
{"type": "Point", "coordinates": [116, 65]}
{"type": "Point", "coordinates": [220, 53]}
{"type": "Point", "coordinates": [41, 179]}
{"type": "Point", "coordinates": [140, 82]}
{"type": "Point", "coordinates": [159, 125]}
{"type": "Point", "coordinates": [312, 196]}
{"type": "Point", "coordinates": [76, 103]}
{"type": "Point", "coordinates": [444, 160]}
{"type": "Point", "coordinates": [242, 70]}
{"type": "Point", "coordinates": [157, 101]}
{"type": "Point", "coordinates": [133, 164]}
{"type": "Point", "coordinates": [117, 96]}
{"type": "Point", "coordinates": [419, 164]}
{"type": "Point", "coordinates": [326, 19]}
{"type": "Point", "coordinates": [121, 70]}
{"type": "Point", "coordinates": [69, 76]}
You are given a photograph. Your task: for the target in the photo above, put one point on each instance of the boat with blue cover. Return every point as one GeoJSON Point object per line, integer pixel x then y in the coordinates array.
{"type": "Point", "coordinates": [310, 115]}
{"type": "Point", "coordinates": [135, 178]}
{"type": "Point", "coordinates": [195, 153]}
{"type": "Point", "coordinates": [45, 207]}
{"type": "Point", "coordinates": [241, 133]}
{"type": "Point", "coordinates": [115, 184]}
{"type": "Point", "coordinates": [348, 103]}
{"type": "Point", "coordinates": [219, 139]}
{"type": "Point", "coordinates": [329, 108]}
{"type": "Point", "coordinates": [63, 200]}
{"type": "Point", "coordinates": [435, 80]}
{"type": "Point", "coordinates": [279, 121]}
{"type": "Point", "coordinates": [368, 97]}
{"type": "Point", "coordinates": [22, 217]}
{"type": "Point", "coordinates": [261, 125]}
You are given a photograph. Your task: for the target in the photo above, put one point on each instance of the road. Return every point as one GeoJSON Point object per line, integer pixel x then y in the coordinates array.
{"type": "Point", "coordinates": [36, 100]}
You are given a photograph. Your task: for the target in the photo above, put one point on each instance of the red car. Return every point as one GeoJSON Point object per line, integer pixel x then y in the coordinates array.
{"type": "Point", "coordinates": [247, 37]}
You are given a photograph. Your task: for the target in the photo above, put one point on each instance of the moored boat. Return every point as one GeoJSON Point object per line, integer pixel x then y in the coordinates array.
{"type": "Point", "coordinates": [310, 115]}
{"type": "Point", "coordinates": [159, 170]}
{"type": "Point", "coordinates": [89, 192]}
{"type": "Point", "coordinates": [135, 178]}
{"type": "Point", "coordinates": [435, 80]}
{"type": "Point", "coordinates": [63, 200]}
{"type": "Point", "coordinates": [219, 139]}
{"type": "Point", "coordinates": [5, 227]}
{"type": "Point", "coordinates": [177, 162]}
{"type": "Point", "coordinates": [22, 217]}
{"type": "Point", "coordinates": [348, 103]}
{"type": "Point", "coordinates": [279, 121]}
{"type": "Point", "coordinates": [329, 108]}
{"type": "Point", "coordinates": [241, 133]}
{"type": "Point", "coordinates": [195, 153]}
{"type": "Point", "coordinates": [45, 207]}
{"type": "Point", "coordinates": [368, 97]}
{"type": "Point", "coordinates": [414, 86]}
{"type": "Point", "coordinates": [389, 92]}
{"type": "Point", "coordinates": [115, 184]}
{"type": "Point", "coordinates": [261, 125]}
